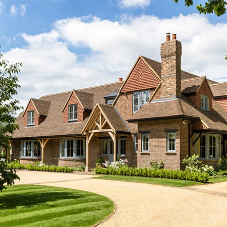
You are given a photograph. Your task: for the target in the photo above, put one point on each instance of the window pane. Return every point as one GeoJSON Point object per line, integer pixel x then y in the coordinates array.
{"type": "Point", "coordinates": [135, 101]}
{"type": "Point", "coordinates": [80, 151]}
{"type": "Point", "coordinates": [171, 142]}
{"type": "Point", "coordinates": [63, 148]}
{"type": "Point", "coordinates": [122, 146]}
{"type": "Point", "coordinates": [111, 147]}
{"type": "Point", "coordinates": [145, 143]}
{"type": "Point", "coordinates": [69, 148]}
{"type": "Point", "coordinates": [135, 143]}
{"type": "Point", "coordinates": [104, 146]}
{"type": "Point", "coordinates": [28, 145]}
{"type": "Point", "coordinates": [37, 149]}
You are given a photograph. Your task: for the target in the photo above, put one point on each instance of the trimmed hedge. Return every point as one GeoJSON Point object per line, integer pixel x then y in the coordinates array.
{"type": "Point", "coordinates": [51, 168]}
{"type": "Point", "coordinates": [160, 173]}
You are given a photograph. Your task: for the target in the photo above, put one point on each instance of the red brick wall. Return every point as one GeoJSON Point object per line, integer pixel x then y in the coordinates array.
{"type": "Point", "coordinates": [30, 107]}
{"type": "Point", "coordinates": [158, 142]}
{"type": "Point", "coordinates": [73, 100]}
{"type": "Point", "coordinates": [141, 78]}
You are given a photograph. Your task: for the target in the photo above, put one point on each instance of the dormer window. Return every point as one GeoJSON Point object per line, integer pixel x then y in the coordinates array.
{"type": "Point", "coordinates": [140, 98]}
{"type": "Point", "coordinates": [73, 110]}
{"type": "Point", "coordinates": [30, 118]}
{"type": "Point", "coordinates": [204, 102]}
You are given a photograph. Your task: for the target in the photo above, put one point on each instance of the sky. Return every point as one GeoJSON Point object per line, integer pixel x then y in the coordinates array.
{"type": "Point", "coordinates": [72, 44]}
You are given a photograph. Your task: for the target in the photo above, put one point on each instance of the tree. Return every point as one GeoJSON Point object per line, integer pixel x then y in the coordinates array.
{"type": "Point", "coordinates": [211, 6]}
{"type": "Point", "coordinates": [8, 106]}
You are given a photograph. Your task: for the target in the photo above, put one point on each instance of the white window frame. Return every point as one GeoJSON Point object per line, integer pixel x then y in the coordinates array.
{"type": "Point", "coordinates": [136, 145]}
{"type": "Point", "coordinates": [73, 109]}
{"type": "Point", "coordinates": [109, 101]}
{"type": "Point", "coordinates": [32, 147]}
{"type": "Point", "coordinates": [143, 142]}
{"type": "Point", "coordinates": [63, 148]}
{"type": "Point", "coordinates": [120, 141]}
{"type": "Point", "coordinates": [142, 97]}
{"type": "Point", "coordinates": [204, 99]}
{"type": "Point", "coordinates": [31, 118]}
{"type": "Point", "coordinates": [208, 145]}
{"type": "Point", "coordinates": [171, 144]}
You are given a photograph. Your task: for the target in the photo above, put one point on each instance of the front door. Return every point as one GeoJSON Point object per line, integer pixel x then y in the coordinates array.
{"type": "Point", "coordinates": [107, 149]}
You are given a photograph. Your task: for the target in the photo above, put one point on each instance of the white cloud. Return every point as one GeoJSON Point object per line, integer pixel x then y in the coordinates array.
{"type": "Point", "coordinates": [134, 3]}
{"type": "Point", "coordinates": [88, 51]}
{"type": "Point", "coordinates": [13, 10]}
{"type": "Point", "coordinates": [21, 9]}
{"type": "Point", "coordinates": [1, 7]}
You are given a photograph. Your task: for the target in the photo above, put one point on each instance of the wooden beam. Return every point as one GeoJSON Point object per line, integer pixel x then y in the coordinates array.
{"type": "Point", "coordinates": [101, 130]}
{"type": "Point", "coordinates": [103, 124]}
{"type": "Point", "coordinates": [43, 143]}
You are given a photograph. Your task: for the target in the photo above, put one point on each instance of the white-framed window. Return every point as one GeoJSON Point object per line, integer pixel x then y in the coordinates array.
{"type": "Point", "coordinates": [104, 147]}
{"type": "Point", "coordinates": [31, 118]}
{"type": "Point", "coordinates": [135, 143]}
{"type": "Point", "coordinates": [30, 149]}
{"type": "Point", "coordinates": [145, 142]}
{"type": "Point", "coordinates": [140, 98]}
{"type": "Point", "coordinates": [73, 112]}
{"type": "Point", "coordinates": [109, 101]}
{"type": "Point", "coordinates": [72, 148]}
{"type": "Point", "coordinates": [122, 147]}
{"type": "Point", "coordinates": [171, 142]}
{"type": "Point", "coordinates": [208, 146]}
{"type": "Point", "coordinates": [204, 102]}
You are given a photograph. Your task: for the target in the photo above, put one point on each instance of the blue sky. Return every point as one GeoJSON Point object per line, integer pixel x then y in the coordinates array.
{"type": "Point", "coordinates": [70, 44]}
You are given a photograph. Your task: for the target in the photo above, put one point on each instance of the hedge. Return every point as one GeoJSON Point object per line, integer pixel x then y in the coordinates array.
{"type": "Point", "coordinates": [160, 173]}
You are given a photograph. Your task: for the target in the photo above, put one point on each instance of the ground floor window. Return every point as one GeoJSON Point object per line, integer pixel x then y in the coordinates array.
{"type": "Point", "coordinates": [72, 148]}
{"type": "Point", "coordinates": [145, 142]}
{"type": "Point", "coordinates": [30, 149]}
{"type": "Point", "coordinates": [171, 142]}
{"type": "Point", "coordinates": [122, 146]}
{"type": "Point", "coordinates": [208, 146]}
{"type": "Point", "coordinates": [135, 143]}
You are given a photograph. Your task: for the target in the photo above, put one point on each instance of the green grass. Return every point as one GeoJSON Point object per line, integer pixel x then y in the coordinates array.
{"type": "Point", "coordinates": [150, 180]}
{"type": "Point", "coordinates": [217, 179]}
{"type": "Point", "coordinates": [36, 205]}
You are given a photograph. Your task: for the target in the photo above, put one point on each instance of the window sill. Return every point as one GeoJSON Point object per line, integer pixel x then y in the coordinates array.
{"type": "Point", "coordinates": [71, 159]}
{"type": "Point", "coordinates": [144, 153]}
{"type": "Point", "coordinates": [30, 158]}
{"type": "Point", "coordinates": [171, 152]}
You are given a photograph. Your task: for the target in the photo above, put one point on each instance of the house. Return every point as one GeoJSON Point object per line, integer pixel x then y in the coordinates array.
{"type": "Point", "coordinates": [158, 113]}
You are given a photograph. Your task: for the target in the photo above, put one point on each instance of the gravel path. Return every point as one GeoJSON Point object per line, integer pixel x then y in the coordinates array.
{"type": "Point", "coordinates": [139, 204]}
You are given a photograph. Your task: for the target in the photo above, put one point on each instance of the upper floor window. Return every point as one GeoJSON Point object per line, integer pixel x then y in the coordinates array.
{"type": "Point", "coordinates": [73, 112]}
{"type": "Point", "coordinates": [109, 101]}
{"type": "Point", "coordinates": [30, 117]}
{"type": "Point", "coordinates": [30, 149]}
{"type": "Point", "coordinates": [171, 142]}
{"type": "Point", "coordinates": [204, 102]}
{"type": "Point", "coordinates": [140, 98]}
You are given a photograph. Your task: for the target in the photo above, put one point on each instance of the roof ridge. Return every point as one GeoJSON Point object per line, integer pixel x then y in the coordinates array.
{"type": "Point", "coordinates": [55, 94]}
{"type": "Point", "coordinates": [98, 86]}
{"type": "Point", "coordinates": [197, 77]}
{"type": "Point", "coordinates": [218, 83]}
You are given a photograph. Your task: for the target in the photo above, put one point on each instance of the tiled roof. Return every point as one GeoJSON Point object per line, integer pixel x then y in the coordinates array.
{"type": "Point", "coordinates": [85, 98]}
{"type": "Point", "coordinates": [215, 119]}
{"type": "Point", "coordinates": [53, 125]}
{"type": "Point", "coordinates": [219, 89]}
{"type": "Point", "coordinates": [42, 106]}
{"type": "Point", "coordinates": [114, 118]}
{"type": "Point", "coordinates": [191, 85]}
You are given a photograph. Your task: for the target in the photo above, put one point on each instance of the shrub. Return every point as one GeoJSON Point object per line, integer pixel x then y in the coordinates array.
{"type": "Point", "coordinates": [156, 165]}
{"type": "Point", "coordinates": [222, 163]}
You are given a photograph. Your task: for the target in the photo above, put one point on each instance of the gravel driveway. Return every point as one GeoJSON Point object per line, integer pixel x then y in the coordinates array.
{"type": "Point", "coordinates": [139, 204]}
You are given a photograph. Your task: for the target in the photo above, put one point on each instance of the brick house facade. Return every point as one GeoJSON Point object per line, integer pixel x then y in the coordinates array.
{"type": "Point", "coordinates": [158, 113]}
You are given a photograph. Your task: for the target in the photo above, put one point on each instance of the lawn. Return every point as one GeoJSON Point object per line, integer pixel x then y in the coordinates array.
{"type": "Point", "coordinates": [150, 180]}
{"type": "Point", "coordinates": [36, 205]}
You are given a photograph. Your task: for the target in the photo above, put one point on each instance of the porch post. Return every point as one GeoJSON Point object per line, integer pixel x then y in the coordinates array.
{"type": "Point", "coordinates": [87, 153]}
{"type": "Point", "coordinates": [43, 143]}
{"type": "Point", "coordinates": [115, 147]}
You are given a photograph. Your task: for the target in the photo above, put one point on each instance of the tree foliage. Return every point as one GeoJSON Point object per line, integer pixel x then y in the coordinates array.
{"type": "Point", "coordinates": [211, 6]}
{"type": "Point", "coordinates": [8, 106]}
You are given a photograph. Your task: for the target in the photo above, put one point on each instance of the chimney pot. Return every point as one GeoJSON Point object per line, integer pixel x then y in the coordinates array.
{"type": "Point", "coordinates": [120, 79]}
{"type": "Point", "coordinates": [174, 36]}
{"type": "Point", "coordinates": [168, 37]}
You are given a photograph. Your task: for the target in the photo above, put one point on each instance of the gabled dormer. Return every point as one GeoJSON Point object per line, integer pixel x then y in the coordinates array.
{"type": "Point", "coordinates": [35, 112]}
{"type": "Point", "coordinates": [198, 91]}
{"type": "Point", "coordinates": [77, 107]}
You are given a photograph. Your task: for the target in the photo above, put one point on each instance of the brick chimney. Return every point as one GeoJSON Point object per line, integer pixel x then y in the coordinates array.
{"type": "Point", "coordinates": [170, 68]}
